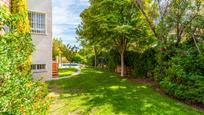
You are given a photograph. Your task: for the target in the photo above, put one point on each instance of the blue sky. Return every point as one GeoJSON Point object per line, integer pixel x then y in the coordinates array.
{"type": "Point", "coordinates": [66, 18]}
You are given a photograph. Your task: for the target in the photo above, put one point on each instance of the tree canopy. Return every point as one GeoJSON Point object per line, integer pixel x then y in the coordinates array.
{"type": "Point", "coordinates": [118, 27]}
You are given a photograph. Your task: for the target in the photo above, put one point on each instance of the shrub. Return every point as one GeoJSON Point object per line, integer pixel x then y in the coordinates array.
{"type": "Point", "coordinates": [108, 58]}
{"type": "Point", "coordinates": [142, 64]}
{"type": "Point", "coordinates": [112, 59]}
{"type": "Point", "coordinates": [181, 72]}
{"type": "Point", "coordinates": [19, 94]}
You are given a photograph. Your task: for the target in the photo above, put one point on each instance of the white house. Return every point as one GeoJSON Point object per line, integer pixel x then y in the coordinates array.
{"type": "Point", "coordinates": [40, 17]}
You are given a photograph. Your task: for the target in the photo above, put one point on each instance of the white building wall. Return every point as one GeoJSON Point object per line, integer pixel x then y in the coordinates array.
{"type": "Point", "coordinates": [42, 42]}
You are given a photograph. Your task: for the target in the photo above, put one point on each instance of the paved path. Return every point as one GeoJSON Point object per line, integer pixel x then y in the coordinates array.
{"type": "Point", "coordinates": [77, 73]}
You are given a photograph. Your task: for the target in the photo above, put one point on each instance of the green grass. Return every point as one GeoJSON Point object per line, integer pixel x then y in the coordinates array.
{"type": "Point", "coordinates": [102, 93]}
{"type": "Point", "coordinates": [66, 71]}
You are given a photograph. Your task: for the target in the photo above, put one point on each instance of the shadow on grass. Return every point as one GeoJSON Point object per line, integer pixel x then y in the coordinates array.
{"type": "Point", "coordinates": [108, 93]}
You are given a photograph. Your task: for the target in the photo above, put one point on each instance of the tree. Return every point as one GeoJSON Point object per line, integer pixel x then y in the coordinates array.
{"type": "Point", "coordinates": [60, 49]}
{"type": "Point", "coordinates": [56, 47]}
{"type": "Point", "coordinates": [69, 52]}
{"type": "Point", "coordinates": [117, 27]}
{"type": "Point", "coordinates": [179, 31]}
{"type": "Point", "coordinates": [174, 19]}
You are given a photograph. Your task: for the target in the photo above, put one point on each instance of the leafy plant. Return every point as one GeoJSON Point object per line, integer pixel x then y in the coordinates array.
{"type": "Point", "coordinates": [181, 74]}
{"type": "Point", "coordinates": [117, 27]}
{"type": "Point", "coordinates": [19, 93]}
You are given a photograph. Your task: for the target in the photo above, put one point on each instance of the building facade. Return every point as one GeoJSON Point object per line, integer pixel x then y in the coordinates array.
{"type": "Point", "coordinates": [40, 18]}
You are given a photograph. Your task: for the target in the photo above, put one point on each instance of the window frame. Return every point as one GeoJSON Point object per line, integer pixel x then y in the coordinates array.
{"type": "Point", "coordinates": [39, 67]}
{"type": "Point", "coordinates": [38, 12]}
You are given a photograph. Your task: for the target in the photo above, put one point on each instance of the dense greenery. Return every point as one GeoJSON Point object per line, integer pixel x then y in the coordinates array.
{"type": "Point", "coordinates": [169, 47]}
{"type": "Point", "coordinates": [183, 70]}
{"type": "Point", "coordinates": [21, 24]}
{"type": "Point", "coordinates": [117, 28]}
{"type": "Point", "coordinates": [104, 93]}
{"type": "Point", "coordinates": [142, 64]}
{"type": "Point", "coordinates": [20, 9]}
{"type": "Point", "coordinates": [19, 94]}
{"type": "Point", "coordinates": [60, 50]}
{"type": "Point", "coordinates": [56, 48]}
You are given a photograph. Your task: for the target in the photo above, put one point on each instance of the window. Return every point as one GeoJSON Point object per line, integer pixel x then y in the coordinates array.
{"type": "Point", "coordinates": [33, 67]}
{"type": "Point", "coordinates": [38, 66]}
{"type": "Point", "coordinates": [37, 22]}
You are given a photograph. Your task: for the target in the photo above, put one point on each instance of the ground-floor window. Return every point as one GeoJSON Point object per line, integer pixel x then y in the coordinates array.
{"type": "Point", "coordinates": [38, 66]}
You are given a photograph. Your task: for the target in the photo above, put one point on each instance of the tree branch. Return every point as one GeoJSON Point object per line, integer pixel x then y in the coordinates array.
{"type": "Point", "coordinates": [151, 25]}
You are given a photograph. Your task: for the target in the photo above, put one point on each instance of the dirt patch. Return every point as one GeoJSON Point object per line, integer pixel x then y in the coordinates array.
{"type": "Point", "coordinates": [55, 89]}
{"type": "Point", "coordinates": [76, 112]}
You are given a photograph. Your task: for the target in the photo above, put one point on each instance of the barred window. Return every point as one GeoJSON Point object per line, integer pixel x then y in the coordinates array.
{"type": "Point", "coordinates": [38, 66]}
{"type": "Point", "coordinates": [37, 22]}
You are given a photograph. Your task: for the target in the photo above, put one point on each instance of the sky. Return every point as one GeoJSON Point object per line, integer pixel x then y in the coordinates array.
{"type": "Point", "coordinates": [66, 17]}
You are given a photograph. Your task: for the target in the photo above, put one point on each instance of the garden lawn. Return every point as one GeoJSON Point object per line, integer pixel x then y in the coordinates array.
{"type": "Point", "coordinates": [103, 93]}
{"type": "Point", "coordinates": [66, 71]}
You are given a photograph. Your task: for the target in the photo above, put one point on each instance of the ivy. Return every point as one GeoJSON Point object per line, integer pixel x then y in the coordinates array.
{"type": "Point", "coordinates": [19, 94]}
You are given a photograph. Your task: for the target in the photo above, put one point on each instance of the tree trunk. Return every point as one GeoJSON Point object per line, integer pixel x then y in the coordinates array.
{"type": "Point", "coordinates": [95, 60]}
{"type": "Point", "coordinates": [95, 64]}
{"type": "Point", "coordinates": [122, 63]}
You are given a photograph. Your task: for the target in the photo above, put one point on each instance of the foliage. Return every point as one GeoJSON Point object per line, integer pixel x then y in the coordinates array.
{"type": "Point", "coordinates": [112, 59]}
{"type": "Point", "coordinates": [179, 20]}
{"type": "Point", "coordinates": [77, 58]}
{"type": "Point", "coordinates": [180, 45]}
{"type": "Point", "coordinates": [87, 55]}
{"type": "Point", "coordinates": [69, 52]}
{"type": "Point", "coordinates": [143, 63]}
{"type": "Point", "coordinates": [19, 8]}
{"type": "Point", "coordinates": [106, 93]}
{"type": "Point", "coordinates": [117, 27]}
{"type": "Point", "coordinates": [56, 47]}
{"type": "Point", "coordinates": [60, 49]}
{"type": "Point", "coordinates": [109, 59]}
{"type": "Point", "coordinates": [19, 94]}
{"type": "Point", "coordinates": [182, 74]}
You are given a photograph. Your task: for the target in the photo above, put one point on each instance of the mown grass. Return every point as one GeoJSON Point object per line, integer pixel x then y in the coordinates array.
{"type": "Point", "coordinates": [103, 93]}
{"type": "Point", "coordinates": [66, 71]}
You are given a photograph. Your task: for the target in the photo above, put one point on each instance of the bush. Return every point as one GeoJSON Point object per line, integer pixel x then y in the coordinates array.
{"type": "Point", "coordinates": [142, 64]}
{"type": "Point", "coordinates": [19, 94]}
{"type": "Point", "coordinates": [108, 58]}
{"type": "Point", "coordinates": [181, 72]}
{"type": "Point", "coordinates": [112, 59]}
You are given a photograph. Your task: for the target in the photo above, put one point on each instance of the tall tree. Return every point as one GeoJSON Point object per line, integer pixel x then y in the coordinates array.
{"type": "Point", "coordinates": [68, 52]}
{"type": "Point", "coordinates": [174, 19]}
{"type": "Point", "coordinates": [118, 27]}
{"type": "Point", "coordinates": [56, 47]}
